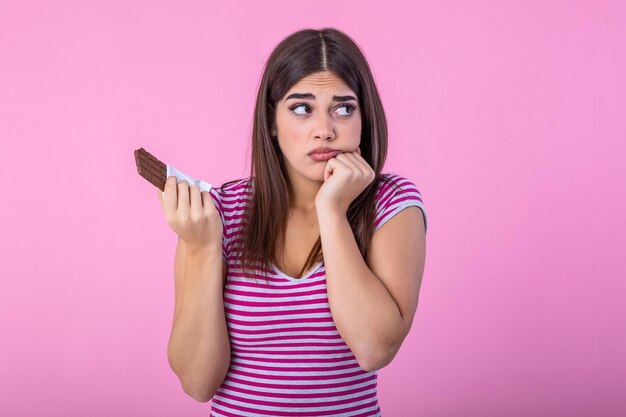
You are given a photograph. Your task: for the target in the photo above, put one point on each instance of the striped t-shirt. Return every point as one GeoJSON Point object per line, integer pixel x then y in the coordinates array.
{"type": "Point", "coordinates": [287, 357]}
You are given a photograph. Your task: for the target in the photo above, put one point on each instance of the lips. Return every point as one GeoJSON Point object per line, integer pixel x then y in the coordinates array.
{"type": "Point", "coordinates": [324, 156]}
{"type": "Point", "coordinates": [323, 149]}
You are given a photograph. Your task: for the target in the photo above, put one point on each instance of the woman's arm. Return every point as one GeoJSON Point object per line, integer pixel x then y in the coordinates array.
{"type": "Point", "coordinates": [373, 311]}
{"type": "Point", "coordinates": [179, 271]}
{"type": "Point", "coordinates": [199, 346]}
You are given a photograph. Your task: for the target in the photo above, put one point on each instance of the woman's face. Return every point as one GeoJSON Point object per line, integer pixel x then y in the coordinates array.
{"type": "Point", "coordinates": [328, 115]}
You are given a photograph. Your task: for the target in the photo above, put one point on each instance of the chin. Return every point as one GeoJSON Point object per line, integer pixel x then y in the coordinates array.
{"type": "Point", "coordinates": [319, 173]}
{"type": "Point", "coordinates": [315, 175]}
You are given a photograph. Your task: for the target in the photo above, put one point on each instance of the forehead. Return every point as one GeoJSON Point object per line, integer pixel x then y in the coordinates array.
{"type": "Point", "coordinates": [319, 83]}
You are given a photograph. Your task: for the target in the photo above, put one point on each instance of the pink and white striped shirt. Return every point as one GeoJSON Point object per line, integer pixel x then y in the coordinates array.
{"type": "Point", "coordinates": [288, 358]}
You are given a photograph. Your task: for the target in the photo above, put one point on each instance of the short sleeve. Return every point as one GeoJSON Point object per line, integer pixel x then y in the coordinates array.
{"type": "Point", "coordinates": [218, 196]}
{"type": "Point", "coordinates": [395, 193]}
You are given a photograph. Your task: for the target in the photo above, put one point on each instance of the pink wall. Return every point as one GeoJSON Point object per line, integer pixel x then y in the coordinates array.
{"type": "Point", "coordinates": [509, 117]}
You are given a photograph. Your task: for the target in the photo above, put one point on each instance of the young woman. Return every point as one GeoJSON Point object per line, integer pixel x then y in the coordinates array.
{"type": "Point", "coordinates": [265, 323]}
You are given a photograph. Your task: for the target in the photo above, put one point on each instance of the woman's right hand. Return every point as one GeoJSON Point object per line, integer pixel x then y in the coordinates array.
{"type": "Point", "coordinates": [191, 214]}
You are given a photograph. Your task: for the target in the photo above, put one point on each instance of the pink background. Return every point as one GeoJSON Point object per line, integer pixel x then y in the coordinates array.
{"type": "Point", "coordinates": [509, 117]}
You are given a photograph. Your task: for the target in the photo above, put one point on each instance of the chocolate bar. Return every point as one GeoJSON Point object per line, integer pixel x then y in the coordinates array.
{"type": "Point", "coordinates": [149, 167]}
{"type": "Point", "coordinates": [157, 172]}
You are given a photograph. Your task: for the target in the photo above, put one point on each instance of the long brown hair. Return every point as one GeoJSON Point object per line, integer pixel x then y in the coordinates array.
{"type": "Point", "coordinates": [295, 57]}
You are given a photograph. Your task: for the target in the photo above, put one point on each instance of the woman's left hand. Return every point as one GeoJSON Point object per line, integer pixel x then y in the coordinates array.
{"type": "Point", "coordinates": [345, 177]}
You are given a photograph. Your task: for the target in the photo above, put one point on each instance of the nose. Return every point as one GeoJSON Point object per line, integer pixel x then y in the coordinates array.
{"type": "Point", "coordinates": [324, 127]}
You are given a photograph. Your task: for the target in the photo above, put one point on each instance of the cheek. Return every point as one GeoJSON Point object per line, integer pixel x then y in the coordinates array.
{"type": "Point", "coordinates": [355, 128]}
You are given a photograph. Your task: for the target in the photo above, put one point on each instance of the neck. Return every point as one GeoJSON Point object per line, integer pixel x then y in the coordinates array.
{"type": "Point", "coordinates": [304, 193]}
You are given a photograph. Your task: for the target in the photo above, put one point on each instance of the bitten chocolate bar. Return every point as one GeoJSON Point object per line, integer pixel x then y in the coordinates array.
{"type": "Point", "coordinates": [157, 172]}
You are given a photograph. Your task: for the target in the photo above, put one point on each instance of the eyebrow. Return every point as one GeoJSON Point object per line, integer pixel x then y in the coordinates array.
{"type": "Point", "coordinates": [312, 97]}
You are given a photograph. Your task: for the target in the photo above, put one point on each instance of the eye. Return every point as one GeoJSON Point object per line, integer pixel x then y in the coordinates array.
{"type": "Point", "coordinates": [350, 107]}
{"type": "Point", "coordinates": [295, 106]}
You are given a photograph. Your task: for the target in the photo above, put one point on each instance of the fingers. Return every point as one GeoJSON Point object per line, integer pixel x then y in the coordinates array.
{"type": "Point", "coordinates": [195, 201]}
{"type": "Point", "coordinates": [183, 198]}
{"type": "Point", "coordinates": [160, 197]}
{"type": "Point", "coordinates": [169, 198]}
{"type": "Point", "coordinates": [351, 161]}
{"type": "Point", "coordinates": [355, 161]}
{"type": "Point", "coordinates": [206, 201]}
